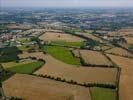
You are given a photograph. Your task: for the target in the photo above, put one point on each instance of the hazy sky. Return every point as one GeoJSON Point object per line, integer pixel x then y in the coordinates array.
{"type": "Point", "coordinates": [66, 3]}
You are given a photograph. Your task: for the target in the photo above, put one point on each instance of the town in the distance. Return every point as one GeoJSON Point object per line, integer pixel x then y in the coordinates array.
{"type": "Point", "coordinates": [66, 54]}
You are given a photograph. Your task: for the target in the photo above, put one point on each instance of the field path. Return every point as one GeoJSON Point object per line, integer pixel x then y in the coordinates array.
{"type": "Point", "coordinates": [126, 79]}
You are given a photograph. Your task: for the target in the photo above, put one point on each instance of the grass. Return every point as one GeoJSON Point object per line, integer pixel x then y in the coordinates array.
{"type": "Point", "coordinates": [24, 40]}
{"type": "Point", "coordinates": [26, 48]}
{"type": "Point", "coordinates": [26, 68]}
{"type": "Point", "coordinates": [14, 63]}
{"type": "Point", "coordinates": [63, 54]}
{"type": "Point", "coordinates": [75, 44]}
{"type": "Point", "coordinates": [102, 94]}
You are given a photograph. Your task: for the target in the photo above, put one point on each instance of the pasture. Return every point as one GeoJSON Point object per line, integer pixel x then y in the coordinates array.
{"type": "Point", "coordinates": [23, 67]}
{"type": "Point", "coordinates": [102, 93]}
{"type": "Point", "coordinates": [63, 54]}
{"type": "Point", "coordinates": [63, 43]}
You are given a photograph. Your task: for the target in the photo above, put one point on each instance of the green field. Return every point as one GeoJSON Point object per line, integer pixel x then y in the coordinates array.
{"type": "Point", "coordinates": [24, 40]}
{"type": "Point", "coordinates": [63, 43]}
{"type": "Point", "coordinates": [63, 54]}
{"type": "Point", "coordinates": [25, 68]}
{"type": "Point", "coordinates": [102, 94]}
{"type": "Point", "coordinates": [26, 48]}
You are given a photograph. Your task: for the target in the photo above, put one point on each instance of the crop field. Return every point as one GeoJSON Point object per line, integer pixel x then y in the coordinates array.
{"type": "Point", "coordinates": [105, 47]}
{"type": "Point", "coordinates": [27, 48]}
{"type": "Point", "coordinates": [63, 54]}
{"type": "Point", "coordinates": [126, 81]}
{"type": "Point", "coordinates": [129, 40]}
{"type": "Point", "coordinates": [53, 36]}
{"type": "Point", "coordinates": [94, 58]}
{"type": "Point", "coordinates": [38, 55]}
{"type": "Point", "coordinates": [76, 52]}
{"type": "Point", "coordinates": [122, 32]}
{"type": "Point", "coordinates": [102, 93]}
{"type": "Point", "coordinates": [35, 88]}
{"type": "Point", "coordinates": [22, 67]}
{"type": "Point", "coordinates": [63, 43]}
{"type": "Point", "coordinates": [119, 51]}
{"type": "Point", "coordinates": [88, 35]}
{"type": "Point", "coordinates": [56, 68]}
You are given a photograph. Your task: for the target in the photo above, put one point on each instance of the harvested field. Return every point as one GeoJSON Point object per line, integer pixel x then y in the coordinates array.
{"type": "Point", "coordinates": [36, 88]}
{"type": "Point", "coordinates": [119, 51]}
{"type": "Point", "coordinates": [105, 47]}
{"type": "Point", "coordinates": [94, 58]}
{"type": "Point", "coordinates": [90, 36]}
{"type": "Point", "coordinates": [126, 79]}
{"type": "Point", "coordinates": [129, 40]}
{"type": "Point", "coordinates": [53, 36]}
{"type": "Point", "coordinates": [56, 68]}
{"type": "Point", "coordinates": [76, 52]}
{"type": "Point", "coordinates": [122, 32]}
{"type": "Point", "coordinates": [34, 54]}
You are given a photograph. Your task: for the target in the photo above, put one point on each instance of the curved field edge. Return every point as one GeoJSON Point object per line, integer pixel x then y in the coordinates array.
{"type": "Point", "coordinates": [63, 54]}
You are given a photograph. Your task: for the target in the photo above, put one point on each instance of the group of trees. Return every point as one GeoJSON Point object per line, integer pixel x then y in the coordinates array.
{"type": "Point", "coordinates": [76, 83]}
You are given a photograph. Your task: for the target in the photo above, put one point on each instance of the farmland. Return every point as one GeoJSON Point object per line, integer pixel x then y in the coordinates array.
{"type": "Point", "coordinates": [129, 40]}
{"type": "Point", "coordinates": [63, 43]}
{"type": "Point", "coordinates": [119, 51]}
{"type": "Point", "coordinates": [24, 67]}
{"type": "Point", "coordinates": [125, 91]}
{"type": "Point", "coordinates": [34, 88]}
{"type": "Point", "coordinates": [56, 68]}
{"type": "Point", "coordinates": [63, 54]}
{"type": "Point", "coordinates": [102, 94]}
{"type": "Point", "coordinates": [90, 36]}
{"type": "Point", "coordinates": [53, 36]}
{"type": "Point", "coordinates": [94, 58]}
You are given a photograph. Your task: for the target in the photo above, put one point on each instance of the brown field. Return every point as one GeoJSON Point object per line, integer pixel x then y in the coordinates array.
{"type": "Point", "coordinates": [126, 79]}
{"type": "Point", "coordinates": [20, 26]}
{"type": "Point", "coordinates": [80, 74]}
{"type": "Point", "coordinates": [122, 32]}
{"type": "Point", "coordinates": [34, 54]}
{"type": "Point", "coordinates": [54, 36]}
{"type": "Point", "coordinates": [129, 40]}
{"type": "Point", "coordinates": [76, 52]}
{"type": "Point", "coordinates": [88, 35]}
{"type": "Point", "coordinates": [105, 47]}
{"type": "Point", "coordinates": [119, 51]}
{"type": "Point", "coordinates": [94, 58]}
{"type": "Point", "coordinates": [36, 88]}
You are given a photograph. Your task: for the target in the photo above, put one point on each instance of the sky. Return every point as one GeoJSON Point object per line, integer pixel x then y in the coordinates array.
{"type": "Point", "coordinates": [66, 3]}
